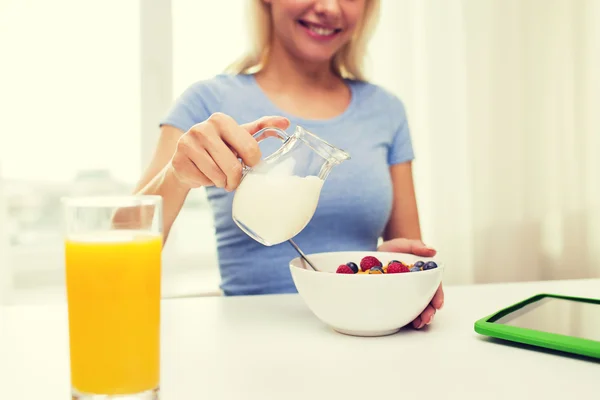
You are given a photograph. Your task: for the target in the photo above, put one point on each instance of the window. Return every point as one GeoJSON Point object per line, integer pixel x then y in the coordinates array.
{"type": "Point", "coordinates": [71, 124]}
{"type": "Point", "coordinates": [74, 123]}
{"type": "Point", "coordinates": [196, 25]}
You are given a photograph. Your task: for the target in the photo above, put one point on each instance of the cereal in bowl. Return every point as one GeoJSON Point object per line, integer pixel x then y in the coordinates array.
{"type": "Point", "coordinates": [372, 266]}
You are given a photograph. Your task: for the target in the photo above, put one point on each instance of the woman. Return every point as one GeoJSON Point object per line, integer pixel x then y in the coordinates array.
{"type": "Point", "coordinates": [305, 70]}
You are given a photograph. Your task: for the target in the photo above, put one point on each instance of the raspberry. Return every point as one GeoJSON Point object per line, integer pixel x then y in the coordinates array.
{"type": "Point", "coordinates": [397, 268]}
{"type": "Point", "coordinates": [369, 262]}
{"type": "Point", "coordinates": [396, 262]}
{"type": "Point", "coordinates": [344, 269]}
{"type": "Point", "coordinates": [353, 266]}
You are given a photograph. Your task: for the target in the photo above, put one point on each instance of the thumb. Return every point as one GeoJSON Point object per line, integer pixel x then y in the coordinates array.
{"type": "Point", "coordinates": [402, 245]}
{"type": "Point", "coordinates": [266, 122]}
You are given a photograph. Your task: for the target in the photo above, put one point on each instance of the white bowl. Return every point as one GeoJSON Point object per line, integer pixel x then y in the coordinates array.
{"type": "Point", "coordinates": [362, 304]}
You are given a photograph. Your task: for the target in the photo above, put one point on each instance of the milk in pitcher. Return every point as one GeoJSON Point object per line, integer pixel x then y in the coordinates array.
{"type": "Point", "coordinates": [276, 207]}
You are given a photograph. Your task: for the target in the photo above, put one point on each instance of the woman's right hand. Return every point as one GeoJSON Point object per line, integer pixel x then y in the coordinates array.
{"type": "Point", "coordinates": [207, 154]}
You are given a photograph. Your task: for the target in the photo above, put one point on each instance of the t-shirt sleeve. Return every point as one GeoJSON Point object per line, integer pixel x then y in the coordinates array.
{"type": "Point", "coordinates": [190, 108]}
{"type": "Point", "coordinates": [401, 148]}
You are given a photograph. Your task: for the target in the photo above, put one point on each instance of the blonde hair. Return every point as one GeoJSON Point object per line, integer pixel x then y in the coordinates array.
{"type": "Point", "coordinates": [347, 62]}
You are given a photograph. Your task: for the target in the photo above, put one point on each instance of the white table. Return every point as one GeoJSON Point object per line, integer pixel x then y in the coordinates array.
{"type": "Point", "coordinates": [271, 347]}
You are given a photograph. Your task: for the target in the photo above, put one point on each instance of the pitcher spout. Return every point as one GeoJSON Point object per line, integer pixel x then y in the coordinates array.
{"type": "Point", "coordinates": [330, 153]}
{"type": "Point", "coordinates": [339, 155]}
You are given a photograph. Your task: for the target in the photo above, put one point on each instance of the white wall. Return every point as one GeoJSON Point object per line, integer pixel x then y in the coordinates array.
{"type": "Point", "coordinates": [5, 272]}
{"type": "Point", "coordinates": [502, 98]}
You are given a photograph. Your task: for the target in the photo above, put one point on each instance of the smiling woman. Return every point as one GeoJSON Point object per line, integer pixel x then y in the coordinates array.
{"type": "Point", "coordinates": [305, 68]}
{"type": "Point", "coordinates": [275, 23]}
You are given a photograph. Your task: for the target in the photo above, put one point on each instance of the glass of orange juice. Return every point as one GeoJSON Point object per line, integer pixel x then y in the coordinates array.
{"type": "Point", "coordinates": [113, 249]}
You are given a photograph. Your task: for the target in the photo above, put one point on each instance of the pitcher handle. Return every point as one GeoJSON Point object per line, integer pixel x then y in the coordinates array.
{"type": "Point", "coordinates": [263, 134]}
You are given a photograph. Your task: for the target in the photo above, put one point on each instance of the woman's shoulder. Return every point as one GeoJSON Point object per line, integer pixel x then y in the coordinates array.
{"type": "Point", "coordinates": [377, 95]}
{"type": "Point", "coordinates": [217, 88]}
{"type": "Point", "coordinates": [202, 98]}
{"type": "Point", "coordinates": [378, 98]}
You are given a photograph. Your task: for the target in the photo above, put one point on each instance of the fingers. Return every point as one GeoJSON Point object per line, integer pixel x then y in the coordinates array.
{"type": "Point", "coordinates": [417, 323]}
{"type": "Point", "coordinates": [209, 151]}
{"type": "Point", "coordinates": [214, 147]}
{"type": "Point", "coordinates": [402, 245]}
{"type": "Point", "coordinates": [187, 172]}
{"type": "Point", "coordinates": [227, 161]}
{"type": "Point", "coordinates": [419, 248]}
{"type": "Point", "coordinates": [224, 141]}
{"type": "Point", "coordinates": [205, 164]}
{"type": "Point", "coordinates": [427, 315]}
{"type": "Point", "coordinates": [425, 318]}
{"type": "Point", "coordinates": [438, 298]}
{"type": "Point", "coordinates": [235, 137]}
{"type": "Point", "coordinates": [265, 122]}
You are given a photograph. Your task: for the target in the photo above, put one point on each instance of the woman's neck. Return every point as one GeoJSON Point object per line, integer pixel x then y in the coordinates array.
{"type": "Point", "coordinates": [289, 73]}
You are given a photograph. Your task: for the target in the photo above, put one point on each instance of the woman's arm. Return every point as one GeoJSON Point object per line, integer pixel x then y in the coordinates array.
{"type": "Point", "coordinates": [165, 148]}
{"type": "Point", "coordinates": [404, 219]}
{"type": "Point", "coordinates": [403, 232]}
{"type": "Point", "coordinates": [159, 179]}
{"type": "Point", "coordinates": [206, 155]}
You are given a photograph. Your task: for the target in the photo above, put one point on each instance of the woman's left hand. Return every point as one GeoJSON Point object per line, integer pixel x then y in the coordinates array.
{"type": "Point", "coordinates": [417, 248]}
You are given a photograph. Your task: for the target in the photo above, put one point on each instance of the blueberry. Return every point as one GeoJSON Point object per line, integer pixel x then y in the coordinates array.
{"type": "Point", "coordinates": [429, 265]}
{"type": "Point", "coordinates": [419, 264]}
{"type": "Point", "coordinates": [376, 270]}
{"type": "Point", "coordinates": [353, 266]}
{"type": "Point", "coordinates": [394, 261]}
{"type": "Point", "coordinates": [415, 269]}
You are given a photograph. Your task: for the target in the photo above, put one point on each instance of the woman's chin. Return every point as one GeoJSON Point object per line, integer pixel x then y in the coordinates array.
{"type": "Point", "coordinates": [316, 58]}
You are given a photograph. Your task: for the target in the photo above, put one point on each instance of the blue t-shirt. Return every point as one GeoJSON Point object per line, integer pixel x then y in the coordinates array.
{"type": "Point", "coordinates": [356, 199]}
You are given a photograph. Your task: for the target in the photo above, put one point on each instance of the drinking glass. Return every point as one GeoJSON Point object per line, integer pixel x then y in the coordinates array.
{"type": "Point", "coordinates": [113, 249]}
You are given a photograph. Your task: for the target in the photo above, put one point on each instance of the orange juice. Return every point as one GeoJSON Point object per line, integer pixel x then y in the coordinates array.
{"type": "Point", "coordinates": [113, 290]}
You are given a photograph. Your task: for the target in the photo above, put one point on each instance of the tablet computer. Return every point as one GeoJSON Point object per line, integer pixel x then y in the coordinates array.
{"type": "Point", "coordinates": [562, 323]}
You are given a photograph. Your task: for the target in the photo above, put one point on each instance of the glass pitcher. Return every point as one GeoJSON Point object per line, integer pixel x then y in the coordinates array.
{"type": "Point", "coordinates": [278, 197]}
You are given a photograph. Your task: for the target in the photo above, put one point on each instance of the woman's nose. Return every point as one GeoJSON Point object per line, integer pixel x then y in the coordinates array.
{"type": "Point", "coordinates": [330, 7]}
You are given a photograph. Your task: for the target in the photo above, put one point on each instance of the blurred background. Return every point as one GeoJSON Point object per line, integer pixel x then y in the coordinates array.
{"type": "Point", "coordinates": [502, 98]}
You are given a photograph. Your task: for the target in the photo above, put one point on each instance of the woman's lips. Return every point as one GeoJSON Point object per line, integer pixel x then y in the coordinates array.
{"type": "Point", "coordinates": [319, 32]}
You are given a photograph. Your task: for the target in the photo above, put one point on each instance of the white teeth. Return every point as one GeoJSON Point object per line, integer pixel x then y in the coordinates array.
{"type": "Point", "coordinates": [321, 31]}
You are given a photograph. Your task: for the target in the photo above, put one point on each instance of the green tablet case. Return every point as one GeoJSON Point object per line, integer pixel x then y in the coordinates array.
{"type": "Point", "coordinates": [584, 347]}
